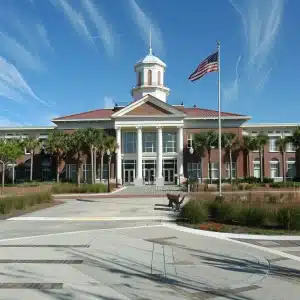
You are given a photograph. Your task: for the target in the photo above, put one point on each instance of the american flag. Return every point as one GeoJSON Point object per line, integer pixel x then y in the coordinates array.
{"type": "Point", "coordinates": [210, 64]}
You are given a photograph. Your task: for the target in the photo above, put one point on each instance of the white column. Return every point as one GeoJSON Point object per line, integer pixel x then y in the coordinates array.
{"type": "Point", "coordinates": [180, 153]}
{"type": "Point", "coordinates": [119, 159]}
{"type": "Point", "coordinates": [159, 162]}
{"type": "Point", "coordinates": [139, 151]}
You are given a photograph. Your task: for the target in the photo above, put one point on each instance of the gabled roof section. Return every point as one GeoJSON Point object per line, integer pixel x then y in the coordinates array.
{"type": "Point", "coordinates": [97, 114]}
{"type": "Point", "coordinates": [149, 105]}
{"type": "Point", "coordinates": [201, 113]}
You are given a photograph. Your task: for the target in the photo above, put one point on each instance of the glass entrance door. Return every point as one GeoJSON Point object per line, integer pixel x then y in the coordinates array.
{"type": "Point", "coordinates": [169, 176]}
{"type": "Point", "coordinates": [149, 176]}
{"type": "Point", "coordinates": [128, 176]}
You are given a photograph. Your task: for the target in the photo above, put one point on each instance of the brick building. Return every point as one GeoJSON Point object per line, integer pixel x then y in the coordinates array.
{"type": "Point", "coordinates": [155, 136]}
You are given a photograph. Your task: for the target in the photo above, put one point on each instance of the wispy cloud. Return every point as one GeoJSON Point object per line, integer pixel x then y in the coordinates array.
{"type": "Point", "coordinates": [4, 121]}
{"type": "Point", "coordinates": [261, 22]}
{"type": "Point", "coordinates": [42, 32]}
{"type": "Point", "coordinates": [18, 53]}
{"type": "Point", "coordinates": [231, 92]}
{"type": "Point", "coordinates": [12, 84]}
{"type": "Point", "coordinates": [108, 102]}
{"type": "Point", "coordinates": [145, 24]}
{"type": "Point", "coordinates": [103, 28]}
{"type": "Point", "coordinates": [75, 18]}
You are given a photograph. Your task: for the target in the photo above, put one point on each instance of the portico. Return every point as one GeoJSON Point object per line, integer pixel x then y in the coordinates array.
{"type": "Point", "coordinates": [150, 155]}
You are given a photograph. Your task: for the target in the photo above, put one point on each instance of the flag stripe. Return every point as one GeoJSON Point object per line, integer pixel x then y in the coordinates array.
{"type": "Point", "coordinates": [210, 64]}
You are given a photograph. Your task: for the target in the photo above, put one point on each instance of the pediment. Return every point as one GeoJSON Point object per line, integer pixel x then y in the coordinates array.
{"type": "Point", "coordinates": [148, 106]}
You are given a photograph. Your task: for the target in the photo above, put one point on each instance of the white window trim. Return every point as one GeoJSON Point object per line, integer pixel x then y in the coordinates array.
{"type": "Point", "coordinates": [275, 162]}
{"type": "Point", "coordinates": [275, 147]}
{"type": "Point", "coordinates": [26, 152]}
{"type": "Point", "coordinates": [227, 169]}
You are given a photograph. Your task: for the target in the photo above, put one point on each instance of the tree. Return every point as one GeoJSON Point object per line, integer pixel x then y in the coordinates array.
{"type": "Point", "coordinates": [205, 142]}
{"type": "Point", "coordinates": [57, 145]}
{"type": "Point", "coordinates": [295, 139]}
{"type": "Point", "coordinates": [31, 144]}
{"type": "Point", "coordinates": [229, 143]}
{"type": "Point", "coordinates": [110, 145]}
{"type": "Point", "coordinates": [92, 136]}
{"type": "Point", "coordinates": [281, 144]}
{"type": "Point", "coordinates": [9, 152]}
{"type": "Point", "coordinates": [77, 147]}
{"type": "Point", "coordinates": [259, 143]}
{"type": "Point", "coordinates": [248, 145]}
{"type": "Point", "coordinates": [100, 148]}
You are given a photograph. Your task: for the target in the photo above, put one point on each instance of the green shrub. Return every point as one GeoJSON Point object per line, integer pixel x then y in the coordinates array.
{"type": "Point", "coordinates": [221, 211]}
{"type": "Point", "coordinates": [251, 216]}
{"type": "Point", "coordinates": [69, 188]}
{"type": "Point", "coordinates": [194, 211]}
{"type": "Point", "coordinates": [289, 217]}
{"type": "Point", "coordinates": [11, 203]}
{"type": "Point", "coordinates": [268, 180]}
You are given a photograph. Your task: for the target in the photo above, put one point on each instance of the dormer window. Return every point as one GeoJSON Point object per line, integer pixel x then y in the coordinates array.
{"type": "Point", "coordinates": [159, 78]}
{"type": "Point", "coordinates": [149, 77]}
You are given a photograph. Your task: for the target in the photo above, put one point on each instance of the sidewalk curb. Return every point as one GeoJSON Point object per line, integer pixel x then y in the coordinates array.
{"type": "Point", "coordinates": [225, 235]}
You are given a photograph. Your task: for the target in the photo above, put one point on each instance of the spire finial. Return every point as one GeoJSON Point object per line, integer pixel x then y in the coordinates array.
{"type": "Point", "coordinates": [150, 42]}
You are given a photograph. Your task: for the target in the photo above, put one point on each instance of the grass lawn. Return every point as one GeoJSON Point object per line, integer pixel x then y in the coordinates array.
{"type": "Point", "coordinates": [217, 227]}
{"type": "Point", "coordinates": [22, 189]}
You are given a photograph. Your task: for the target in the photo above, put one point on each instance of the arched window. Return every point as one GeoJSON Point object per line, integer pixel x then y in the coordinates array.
{"type": "Point", "coordinates": [274, 168]}
{"type": "Point", "coordinates": [159, 78]}
{"type": "Point", "coordinates": [139, 78]}
{"type": "Point", "coordinates": [149, 77]}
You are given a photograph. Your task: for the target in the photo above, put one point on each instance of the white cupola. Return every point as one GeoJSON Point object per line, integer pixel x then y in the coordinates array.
{"type": "Point", "coordinates": [150, 72]}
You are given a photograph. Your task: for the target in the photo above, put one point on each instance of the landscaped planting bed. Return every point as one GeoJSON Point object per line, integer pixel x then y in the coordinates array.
{"type": "Point", "coordinates": [70, 188]}
{"type": "Point", "coordinates": [276, 211]}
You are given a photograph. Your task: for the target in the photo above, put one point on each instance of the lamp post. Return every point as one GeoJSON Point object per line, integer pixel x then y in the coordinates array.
{"type": "Point", "coordinates": [116, 151]}
{"type": "Point", "coordinates": [191, 150]}
{"type": "Point", "coordinates": [109, 160]}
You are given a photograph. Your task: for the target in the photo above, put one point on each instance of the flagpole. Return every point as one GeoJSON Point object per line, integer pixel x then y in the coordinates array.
{"type": "Point", "coordinates": [219, 121]}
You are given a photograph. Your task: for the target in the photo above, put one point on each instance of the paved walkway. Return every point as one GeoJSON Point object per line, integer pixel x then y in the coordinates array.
{"type": "Point", "coordinates": [152, 262]}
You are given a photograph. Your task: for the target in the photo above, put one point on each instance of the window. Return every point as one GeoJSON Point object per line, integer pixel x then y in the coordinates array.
{"type": "Point", "coordinates": [227, 169]}
{"type": "Point", "coordinates": [169, 141]}
{"type": "Point", "coordinates": [129, 142]}
{"type": "Point", "coordinates": [274, 168]}
{"type": "Point", "coordinates": [46, 170]}
{"type": "Point", "coordinates": [291, 168]}
{"type": "Point", "coordinates": [149, 142]}
{"type": "Point", "coordinates": [256, 168]}
{"type": "Point", "coordinates": [149, 77]}
{"type": "Point", "coordinates": [190, 140]}
{"type": "Point", "coordinates": [214, 170]}
{"type": "Point", "coordinates": [139, 78]}
{"type": "Point", "coordinates": [194, 170]}
{"type": "Point", "coordinates": [159, 78]}
{"type": "Point", "coordinates": [290, 147]}
{"type": "Point", "coordinates": [272, 145]}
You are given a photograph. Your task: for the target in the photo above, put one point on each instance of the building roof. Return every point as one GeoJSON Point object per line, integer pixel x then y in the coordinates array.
{"type": "Point", "coordinates": [151, 59]}
{"type": "Point", "coordinates": [196, 112]}
{"type": "Point", "coordinates": [191, 112]}
{"type": "Point", "coordinates": [89, 115]}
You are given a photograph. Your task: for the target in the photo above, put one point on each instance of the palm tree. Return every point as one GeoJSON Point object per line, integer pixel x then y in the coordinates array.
{"type": "Point", "coordinates": [229, 143]}
{"type": "Point", "coordinates": [110, 145]}
{"type": "Point", "coordinates": [248, 145]}
{"type": "Point", "coordinates": [259, 143]}
{"type": "Point", "coordinates": [100, 149]}
{"type": "Point", "coordinates": [281, 144]}
{"type": "Point", "coordinates": [57, 145]}
{"type": "Point", "coordinates": [77, 146]}
{"type": "Point", "coordinates": [205, 142]}
{"type": "Point", "coordinates": [295, 139]}
{"type": "Point", "coordinates": [92, 136]}
{"type": "Point", "coordinates": [31, 144]}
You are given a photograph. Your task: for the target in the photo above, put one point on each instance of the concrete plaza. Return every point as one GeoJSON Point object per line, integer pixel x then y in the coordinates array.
{"type": "Point", "coordinates": [94, 257]}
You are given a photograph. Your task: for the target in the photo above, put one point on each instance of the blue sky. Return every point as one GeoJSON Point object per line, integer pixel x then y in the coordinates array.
{"type": "Point", "coordinates": [59, 57]}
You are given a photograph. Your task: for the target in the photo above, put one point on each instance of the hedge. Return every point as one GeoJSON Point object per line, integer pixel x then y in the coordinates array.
{"type": "Point", "coordinates": [11, 203]}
